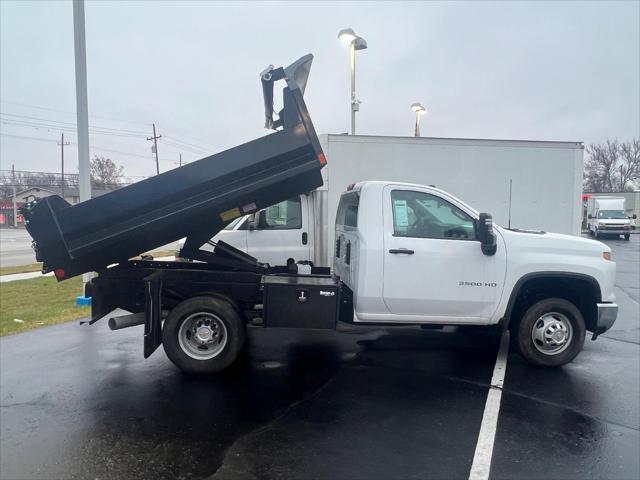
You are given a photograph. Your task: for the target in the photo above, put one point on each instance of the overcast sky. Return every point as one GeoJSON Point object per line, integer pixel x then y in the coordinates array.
{"type": "Point", "coordinates": [541, 71]}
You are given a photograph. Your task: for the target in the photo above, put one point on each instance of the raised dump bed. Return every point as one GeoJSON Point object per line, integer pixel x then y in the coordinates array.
{"type": "Point", "coordinates": [193, 201]}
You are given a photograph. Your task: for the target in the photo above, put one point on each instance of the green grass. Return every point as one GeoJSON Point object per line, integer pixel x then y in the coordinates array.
{"type": "Point", "coordinates": [32, 267]}
{"type": "Point", "coordinates": [39, 302]}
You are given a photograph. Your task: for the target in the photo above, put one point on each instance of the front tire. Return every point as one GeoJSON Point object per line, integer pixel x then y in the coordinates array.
{"type": "Point", "coordinates": [551, 333]}
{"type": "Point", "coordinates": [203, 335]}
{"type": "Point", "coordinates": [626, 237]}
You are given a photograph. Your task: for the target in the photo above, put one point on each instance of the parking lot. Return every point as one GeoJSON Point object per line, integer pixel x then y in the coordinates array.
{"type": "Point", "coordinates": [81, 402]}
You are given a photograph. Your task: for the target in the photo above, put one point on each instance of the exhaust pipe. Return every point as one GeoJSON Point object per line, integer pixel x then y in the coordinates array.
{"type": "Point", "coordinates": [125, 321]}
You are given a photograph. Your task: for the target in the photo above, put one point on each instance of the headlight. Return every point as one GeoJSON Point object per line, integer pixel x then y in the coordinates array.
{"type": "Point", "coordinates": [606, 255]}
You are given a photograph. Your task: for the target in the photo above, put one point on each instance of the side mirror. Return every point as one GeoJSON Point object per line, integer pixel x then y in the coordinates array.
{"type": "Point", "coordinates": [589, 216]}
{"type": "Point", "coordinates": [252, 223]}
{"type": "Point", "coordinates": [486, 235]}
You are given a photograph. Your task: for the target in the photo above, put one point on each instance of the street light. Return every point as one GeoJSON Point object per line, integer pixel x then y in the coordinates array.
{"type": "Point", "coordinates": [348, 37]}
{"type": "Point", "coordinates": [419, 111]}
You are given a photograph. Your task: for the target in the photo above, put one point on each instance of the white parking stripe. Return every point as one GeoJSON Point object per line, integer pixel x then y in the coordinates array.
{"type": "Point", "coordinates": [484, 448]}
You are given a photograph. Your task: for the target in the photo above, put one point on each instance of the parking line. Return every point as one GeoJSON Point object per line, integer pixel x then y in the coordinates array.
{"type": "Point", "coordinates": [481, 465]}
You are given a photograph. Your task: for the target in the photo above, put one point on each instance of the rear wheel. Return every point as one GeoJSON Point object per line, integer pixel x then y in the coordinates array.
{"type": "Point", "coordinates": [203, 335]}
{"type": "Point", "coordinates": [551, 333]}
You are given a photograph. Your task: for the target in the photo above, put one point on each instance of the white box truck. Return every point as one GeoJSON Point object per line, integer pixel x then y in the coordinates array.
{"type": "Point", "coordinates": [525, 184]}
{"type": "Point", "coordinates": [607, 216]}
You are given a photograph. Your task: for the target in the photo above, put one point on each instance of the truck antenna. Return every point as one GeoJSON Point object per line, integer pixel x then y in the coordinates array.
{"type": "Point", "coordinates": [510, 185]}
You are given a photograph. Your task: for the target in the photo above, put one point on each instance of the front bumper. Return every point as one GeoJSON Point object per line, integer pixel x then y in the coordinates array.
{"type": "Point", "coordinates": [617, 230]}
{"type": "Point", "coordinates": [607, 314]}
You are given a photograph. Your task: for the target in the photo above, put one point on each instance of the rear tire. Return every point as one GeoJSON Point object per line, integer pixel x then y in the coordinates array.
{"type": "Point", "coordinates": [551, 333]}
{"type": "Point", "coordinates": [203, 335]}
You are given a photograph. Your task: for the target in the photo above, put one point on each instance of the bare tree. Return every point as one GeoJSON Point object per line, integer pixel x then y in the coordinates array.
{"type": "Point", "coordinates": [23, 180]}
{"type": "Point", "coordinates": [105, 173]}
{"type": "Point", "coordinates": [629, 164]}
{"type": "Point", "coordinates": [612, 166]}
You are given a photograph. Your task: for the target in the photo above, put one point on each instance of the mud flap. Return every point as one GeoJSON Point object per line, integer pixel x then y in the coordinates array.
{"type": "Point", "coordinates": [153, 313]}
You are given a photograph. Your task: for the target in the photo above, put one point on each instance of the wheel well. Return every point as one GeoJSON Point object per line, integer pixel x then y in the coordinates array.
{"type": "Point", "coordinates": [582, 291]}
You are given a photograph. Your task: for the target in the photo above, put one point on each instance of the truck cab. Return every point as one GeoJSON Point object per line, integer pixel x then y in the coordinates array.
{"type": "Point", "coordinates": [273, 235]}
{"type": "Point", "coordinates": [412, 254]}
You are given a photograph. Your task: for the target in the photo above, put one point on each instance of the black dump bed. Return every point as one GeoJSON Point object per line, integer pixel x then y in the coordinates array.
{"type": "Point", "coordinates": [194, 201]}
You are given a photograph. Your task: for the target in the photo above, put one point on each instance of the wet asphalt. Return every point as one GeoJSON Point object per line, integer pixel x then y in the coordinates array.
{"type": "Point", "coordinates": [81, 402]}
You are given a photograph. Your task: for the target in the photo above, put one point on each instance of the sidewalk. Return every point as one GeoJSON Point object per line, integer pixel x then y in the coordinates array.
{"type": "Point", "coordinates": [29, 275]}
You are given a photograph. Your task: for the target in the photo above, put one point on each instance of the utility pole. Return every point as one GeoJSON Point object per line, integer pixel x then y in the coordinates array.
{"type": "Point", "coordinates": [155, 147]}
{"type": "Point", "coordinates": [62, 145]}
{"type": "Point", "coordinates": [180, 159]}
{"type": "Point", "coordinates": [82, 106]}
{"type": "Point", "coordinates": [15, 207]}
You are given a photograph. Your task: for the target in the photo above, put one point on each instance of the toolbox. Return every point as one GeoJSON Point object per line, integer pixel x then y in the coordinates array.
{"type": "Point", "coordinates": [301, 301]}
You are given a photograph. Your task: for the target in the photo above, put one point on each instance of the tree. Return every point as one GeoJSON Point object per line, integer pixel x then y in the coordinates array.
{"type": "Point", "coordinates": [630, 164]}
{"type": "Point", "coordinates": [612, 166]}
{"type": "Point", "coordinates": [105, 173]}
{"type": "Point", "coordinates": [23, 180]}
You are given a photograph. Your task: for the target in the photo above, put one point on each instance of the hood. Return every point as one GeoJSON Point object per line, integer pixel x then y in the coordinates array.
{"type": "Point", "coordinates": [557, 241]}
{"type": "Point", "coordinates": [614, 221]}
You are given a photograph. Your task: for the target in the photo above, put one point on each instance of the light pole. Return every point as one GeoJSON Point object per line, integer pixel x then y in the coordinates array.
{"type": "Point", "coordinates": [348, 37]}
{"type": "Point", "coordinates": [419, 111]}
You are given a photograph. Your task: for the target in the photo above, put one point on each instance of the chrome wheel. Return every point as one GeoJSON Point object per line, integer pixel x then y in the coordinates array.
{"type": "Point", "coordinates": [202, 335]}
{"type": "Point", "coordinates": [551, 333]}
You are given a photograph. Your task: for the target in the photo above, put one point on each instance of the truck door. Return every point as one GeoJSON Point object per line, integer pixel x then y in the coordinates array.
{"type": "Point", "coordinates": [282, 232]}
{"type": "Point", "coordinates": [434, 269]}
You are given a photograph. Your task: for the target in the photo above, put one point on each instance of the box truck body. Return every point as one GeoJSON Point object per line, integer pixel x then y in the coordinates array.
{"type": "Point", "coordinates": [503, 177]}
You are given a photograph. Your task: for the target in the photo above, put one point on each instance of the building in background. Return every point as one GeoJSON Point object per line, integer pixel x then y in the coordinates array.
{"type": "Point", "coordinates": [71, 195]}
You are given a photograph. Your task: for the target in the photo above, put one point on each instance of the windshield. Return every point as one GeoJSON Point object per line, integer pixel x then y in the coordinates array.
{"type": "Point", "coordinates": [612, 214]}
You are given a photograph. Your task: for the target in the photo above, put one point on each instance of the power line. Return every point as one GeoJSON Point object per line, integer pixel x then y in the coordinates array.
{"type": "Point", "coordinates": [207, 146]}
{"type": "Point", "coordinates": [72, 124]}
{"type": "Point", "coordinates": [71, 113]}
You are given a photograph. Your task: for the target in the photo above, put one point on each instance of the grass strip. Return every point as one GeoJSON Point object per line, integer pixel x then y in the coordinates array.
{"type": "Point", "coordinates": [39, 302]}
{"type": "Point", "coordinates": [32, 267]}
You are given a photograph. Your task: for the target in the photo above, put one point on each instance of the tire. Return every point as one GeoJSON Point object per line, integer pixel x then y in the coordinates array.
{"type": "Point", "coordinates": [221, 330]}
{"type": "Point", "coordinates": [596, 234]}
{"type": "Point", "coordinates": [626, 237]}
{"type": "Point", "coordinates": [534, 336]}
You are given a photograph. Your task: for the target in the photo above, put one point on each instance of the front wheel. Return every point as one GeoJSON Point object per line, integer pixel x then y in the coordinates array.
{"type": "Point", "coordinates": [203, 335]}
{"type": "Point", "coordinates": [626, 237]}
{"type": "Point", "coordinates": [551, 333]}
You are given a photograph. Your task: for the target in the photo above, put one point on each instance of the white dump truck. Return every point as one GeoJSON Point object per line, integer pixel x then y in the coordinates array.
{"type": "Point", "coordinates": [405, 254]}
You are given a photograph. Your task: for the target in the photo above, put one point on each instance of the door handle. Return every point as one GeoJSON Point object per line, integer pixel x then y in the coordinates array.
{"type": "Point", "coordinates": [405, 251]}
{"type": "Point", "coordinates": [305, 238]}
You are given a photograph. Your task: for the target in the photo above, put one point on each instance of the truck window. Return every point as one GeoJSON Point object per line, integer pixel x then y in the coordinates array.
{"type": "Point", "coordinates": [612, 214]}
{"type": "Point", "coordinates": [421, 215]}
{"type": "Point", "coordinates": [347, 214]}
{"type": "Point", "coordinates": [285, 215]}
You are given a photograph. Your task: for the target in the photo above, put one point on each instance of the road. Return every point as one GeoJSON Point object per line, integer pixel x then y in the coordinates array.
{"type": "Point", "coordinates": [15, 247]}
{"type": "Point", "coordinates": [80, 402]}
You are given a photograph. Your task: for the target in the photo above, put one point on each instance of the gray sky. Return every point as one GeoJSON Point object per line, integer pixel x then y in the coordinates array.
{"type": "Point", "coordinates": [542, 71]}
